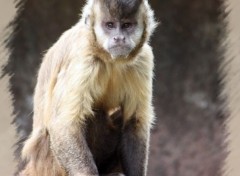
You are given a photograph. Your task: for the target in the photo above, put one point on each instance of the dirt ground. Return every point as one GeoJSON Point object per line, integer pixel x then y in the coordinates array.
{"type": "Point", "coordinates": [7, 12]}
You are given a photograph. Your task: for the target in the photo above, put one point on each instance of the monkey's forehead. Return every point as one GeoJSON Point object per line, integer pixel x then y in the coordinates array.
{"type": "Point", "coordinates": [120, 8]}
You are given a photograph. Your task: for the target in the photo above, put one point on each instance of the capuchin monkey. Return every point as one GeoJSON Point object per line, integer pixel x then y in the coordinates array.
{"type": "Point", "coordinates": [92, 102]}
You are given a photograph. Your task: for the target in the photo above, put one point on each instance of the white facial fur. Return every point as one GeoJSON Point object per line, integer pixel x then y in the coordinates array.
{"type": "Point", "coordinates": [105, 39]}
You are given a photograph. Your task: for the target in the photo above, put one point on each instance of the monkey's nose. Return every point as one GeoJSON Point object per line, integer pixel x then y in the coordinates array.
{"type": "Point", "coordinates": [119, 39]}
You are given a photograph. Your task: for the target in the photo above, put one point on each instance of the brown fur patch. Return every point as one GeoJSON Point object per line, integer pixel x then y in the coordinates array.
{"type": "Point", "coordinates": [121, 8]}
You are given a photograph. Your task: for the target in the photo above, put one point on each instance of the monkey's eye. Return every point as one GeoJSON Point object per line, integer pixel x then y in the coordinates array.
{"type": "Point", "coordinates": [126, 25]}
{"type": "Point", "coordinates": [110, 25]}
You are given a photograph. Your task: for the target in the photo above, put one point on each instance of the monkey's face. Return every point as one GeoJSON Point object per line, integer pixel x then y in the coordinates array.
{"type": "Point", "coordinates": [118, 34]}
{"type": "Point", "coordinates": [119, 37]}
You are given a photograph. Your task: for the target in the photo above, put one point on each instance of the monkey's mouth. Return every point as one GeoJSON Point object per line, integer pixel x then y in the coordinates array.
{"type": "Point", "coordinates": [119, 50]}
{"type": "Point", "coordinates": [120, 47]}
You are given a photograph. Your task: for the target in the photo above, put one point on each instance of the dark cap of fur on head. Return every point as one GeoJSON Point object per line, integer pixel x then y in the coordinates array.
{"type": "Point", "coordinates": [121, 8]}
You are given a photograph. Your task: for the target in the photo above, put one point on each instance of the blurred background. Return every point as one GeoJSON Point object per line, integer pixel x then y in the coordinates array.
{"type": "Point", "coordinates": [188, 136]}
{"type": "Point", "coordinates": [7, 133]}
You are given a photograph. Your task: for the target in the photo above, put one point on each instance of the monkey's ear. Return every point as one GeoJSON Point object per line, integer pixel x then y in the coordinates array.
{"type": "Point", "coordinates": [87, 12]}
{"type": "Point", "coordinates": [87, 20]}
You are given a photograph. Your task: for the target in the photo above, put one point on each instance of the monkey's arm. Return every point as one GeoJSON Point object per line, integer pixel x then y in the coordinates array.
{"type": "Point", "coordinates": [71, 105]}
{"type": "Point", "coordinates": [71, 150]}
{"type": "Point", "coordinates": [135, 141]}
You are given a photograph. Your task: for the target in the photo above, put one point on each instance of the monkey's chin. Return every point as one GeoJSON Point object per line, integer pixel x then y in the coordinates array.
{"type": "Point", "coordinates": [119, 52]}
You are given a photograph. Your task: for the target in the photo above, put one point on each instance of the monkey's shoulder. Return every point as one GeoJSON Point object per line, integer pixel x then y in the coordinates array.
{"type": "Point", "coordinates": [72, 39]}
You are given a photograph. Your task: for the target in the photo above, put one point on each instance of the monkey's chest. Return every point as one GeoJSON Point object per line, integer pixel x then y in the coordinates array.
{"type": "Point", "coordinates": [113, 95]}
{"type": "Point", "coordinates": [120, 90]}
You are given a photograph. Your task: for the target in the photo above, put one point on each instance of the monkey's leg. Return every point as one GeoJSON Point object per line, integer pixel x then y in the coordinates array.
{"type": "Point", "coordinates": [134, 149]}
{"type": "Point", "coordinates": [71, 149]}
